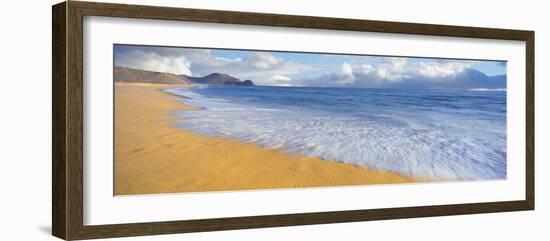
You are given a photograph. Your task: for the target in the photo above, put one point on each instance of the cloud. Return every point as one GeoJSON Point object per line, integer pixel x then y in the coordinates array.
{"type": "Point", "coordinates": [264, 68]}
{"type": "Point", "coordinates": [347, 69]}
{"type": "Point", "coordinates": [437, 70]}
{"type": "Point", "coordinates": [394, 72]}
{"type": "Point", "coordinates": [346, 74]}
{"type": "Point", "coordinates": [151, 61]}
{"type": "Point", "coordinates": [261, 67]}
{"type": "Point", "coordinates": [276, 80]}
{"type": "Point", "coordinates": [262, 60]}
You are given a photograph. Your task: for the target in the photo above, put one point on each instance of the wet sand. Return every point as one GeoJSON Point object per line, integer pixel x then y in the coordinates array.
{"type": "Point", "coordinates": [152, 155]}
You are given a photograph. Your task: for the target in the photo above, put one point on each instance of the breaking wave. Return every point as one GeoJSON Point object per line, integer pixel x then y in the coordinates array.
{"type": "Point", "coordinates": [450, 135]}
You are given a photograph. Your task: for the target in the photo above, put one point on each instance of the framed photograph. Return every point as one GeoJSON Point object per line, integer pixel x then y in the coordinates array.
{"type": "Point", "coordinates": [171, 120]}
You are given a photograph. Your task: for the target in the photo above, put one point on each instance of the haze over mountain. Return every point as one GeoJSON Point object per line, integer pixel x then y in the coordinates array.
{"type": "Point", "coordinates": [129, 75]}
{"type": "Point", "coordinates": [216, 79]}
{"type": "Point", "coordinates": [483, 80]}
{"type": "Point", "coordinates": [467, 79]}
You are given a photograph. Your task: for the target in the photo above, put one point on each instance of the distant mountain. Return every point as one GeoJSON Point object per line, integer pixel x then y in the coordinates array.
{"type": "Point", "coordinates": [123, 74]}
{"type": "Point", "coordinates": [217, 79]}
{"type": "Point", "coordinates": [468, 79]}
{"type": "Point", "coordinates": [472, 79]}
{"type": "Point", "coordinates": [481, 80]}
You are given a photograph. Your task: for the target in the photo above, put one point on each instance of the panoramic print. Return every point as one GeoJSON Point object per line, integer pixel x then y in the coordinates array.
{"type": "Point", "coordinates": [199, 119]}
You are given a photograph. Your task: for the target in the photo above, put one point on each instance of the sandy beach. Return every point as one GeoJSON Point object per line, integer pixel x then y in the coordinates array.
{"type": "Point", "coordinates": [152, 155]}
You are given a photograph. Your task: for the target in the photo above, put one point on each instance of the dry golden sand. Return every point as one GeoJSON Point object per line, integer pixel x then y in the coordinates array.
{"type": "Point", "coordinates": [153, 156]}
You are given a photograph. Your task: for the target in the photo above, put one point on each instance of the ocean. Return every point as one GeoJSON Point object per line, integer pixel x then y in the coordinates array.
{"type": "Point", "coordinates": [425, 134]}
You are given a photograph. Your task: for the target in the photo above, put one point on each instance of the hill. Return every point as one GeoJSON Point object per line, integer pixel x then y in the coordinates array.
{"type": "Point", "coordinates": [128, 75]}
{"type": "Point", "coordinates": [217, 79]}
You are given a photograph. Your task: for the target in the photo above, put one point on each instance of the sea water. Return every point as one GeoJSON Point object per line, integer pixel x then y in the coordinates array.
{"type": "Point", "coordinates": [431, 134]}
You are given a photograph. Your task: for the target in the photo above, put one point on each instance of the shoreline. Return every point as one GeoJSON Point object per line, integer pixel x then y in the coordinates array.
{"type": "Point", "coordinates": [154, 156]}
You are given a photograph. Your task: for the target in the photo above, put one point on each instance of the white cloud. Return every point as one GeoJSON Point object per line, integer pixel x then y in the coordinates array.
{"type": "Point", "coordinates": [260, 67]}
{"type": "Point", "coordinates": [368, 71]}
{"type": "Point", "coordinates": [264, 68]}
{"type": "Point", "coordinates": [153, 62]}
{"type": "Point", "coordinates": [439, 70]}
{"type": "Point", "coordinates": [226, 60]}
{"type": "Point", "coordinates": [393, 70]}
{"type": "Point", "coordinates": [262, 60]}
{"type": "Point", "coordinates": [347, 69]}
{"type": "Point", "coordinates": [367, 68]}
{"type": "Point", "coordinates": [275, 80]}
{"type": "Point", "coordinates": [279, 78]}
{"type": "Point", "coordinates": [346, 75]}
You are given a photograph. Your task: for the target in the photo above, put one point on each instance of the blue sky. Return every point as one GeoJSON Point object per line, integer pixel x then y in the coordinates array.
{"type": "Point", "coordinates": [316, 69]}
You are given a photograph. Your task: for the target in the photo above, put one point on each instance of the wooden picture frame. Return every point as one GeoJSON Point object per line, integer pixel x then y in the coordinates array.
{"type": "Point", "coordinates": [67, 124]}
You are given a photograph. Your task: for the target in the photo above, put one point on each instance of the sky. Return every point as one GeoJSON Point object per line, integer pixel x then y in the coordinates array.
{"type": "Point", "coordinates": [317, 69]}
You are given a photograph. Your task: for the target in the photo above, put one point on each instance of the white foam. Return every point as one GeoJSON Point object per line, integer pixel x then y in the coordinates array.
{"type": "Point", "coordinates": [433, 147]}
{"type": "Point", "coordinates": [486, 89]}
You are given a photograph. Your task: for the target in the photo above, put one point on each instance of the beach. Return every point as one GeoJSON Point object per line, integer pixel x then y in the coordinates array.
{"type": "Point", "coordinates": [153, 155]}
